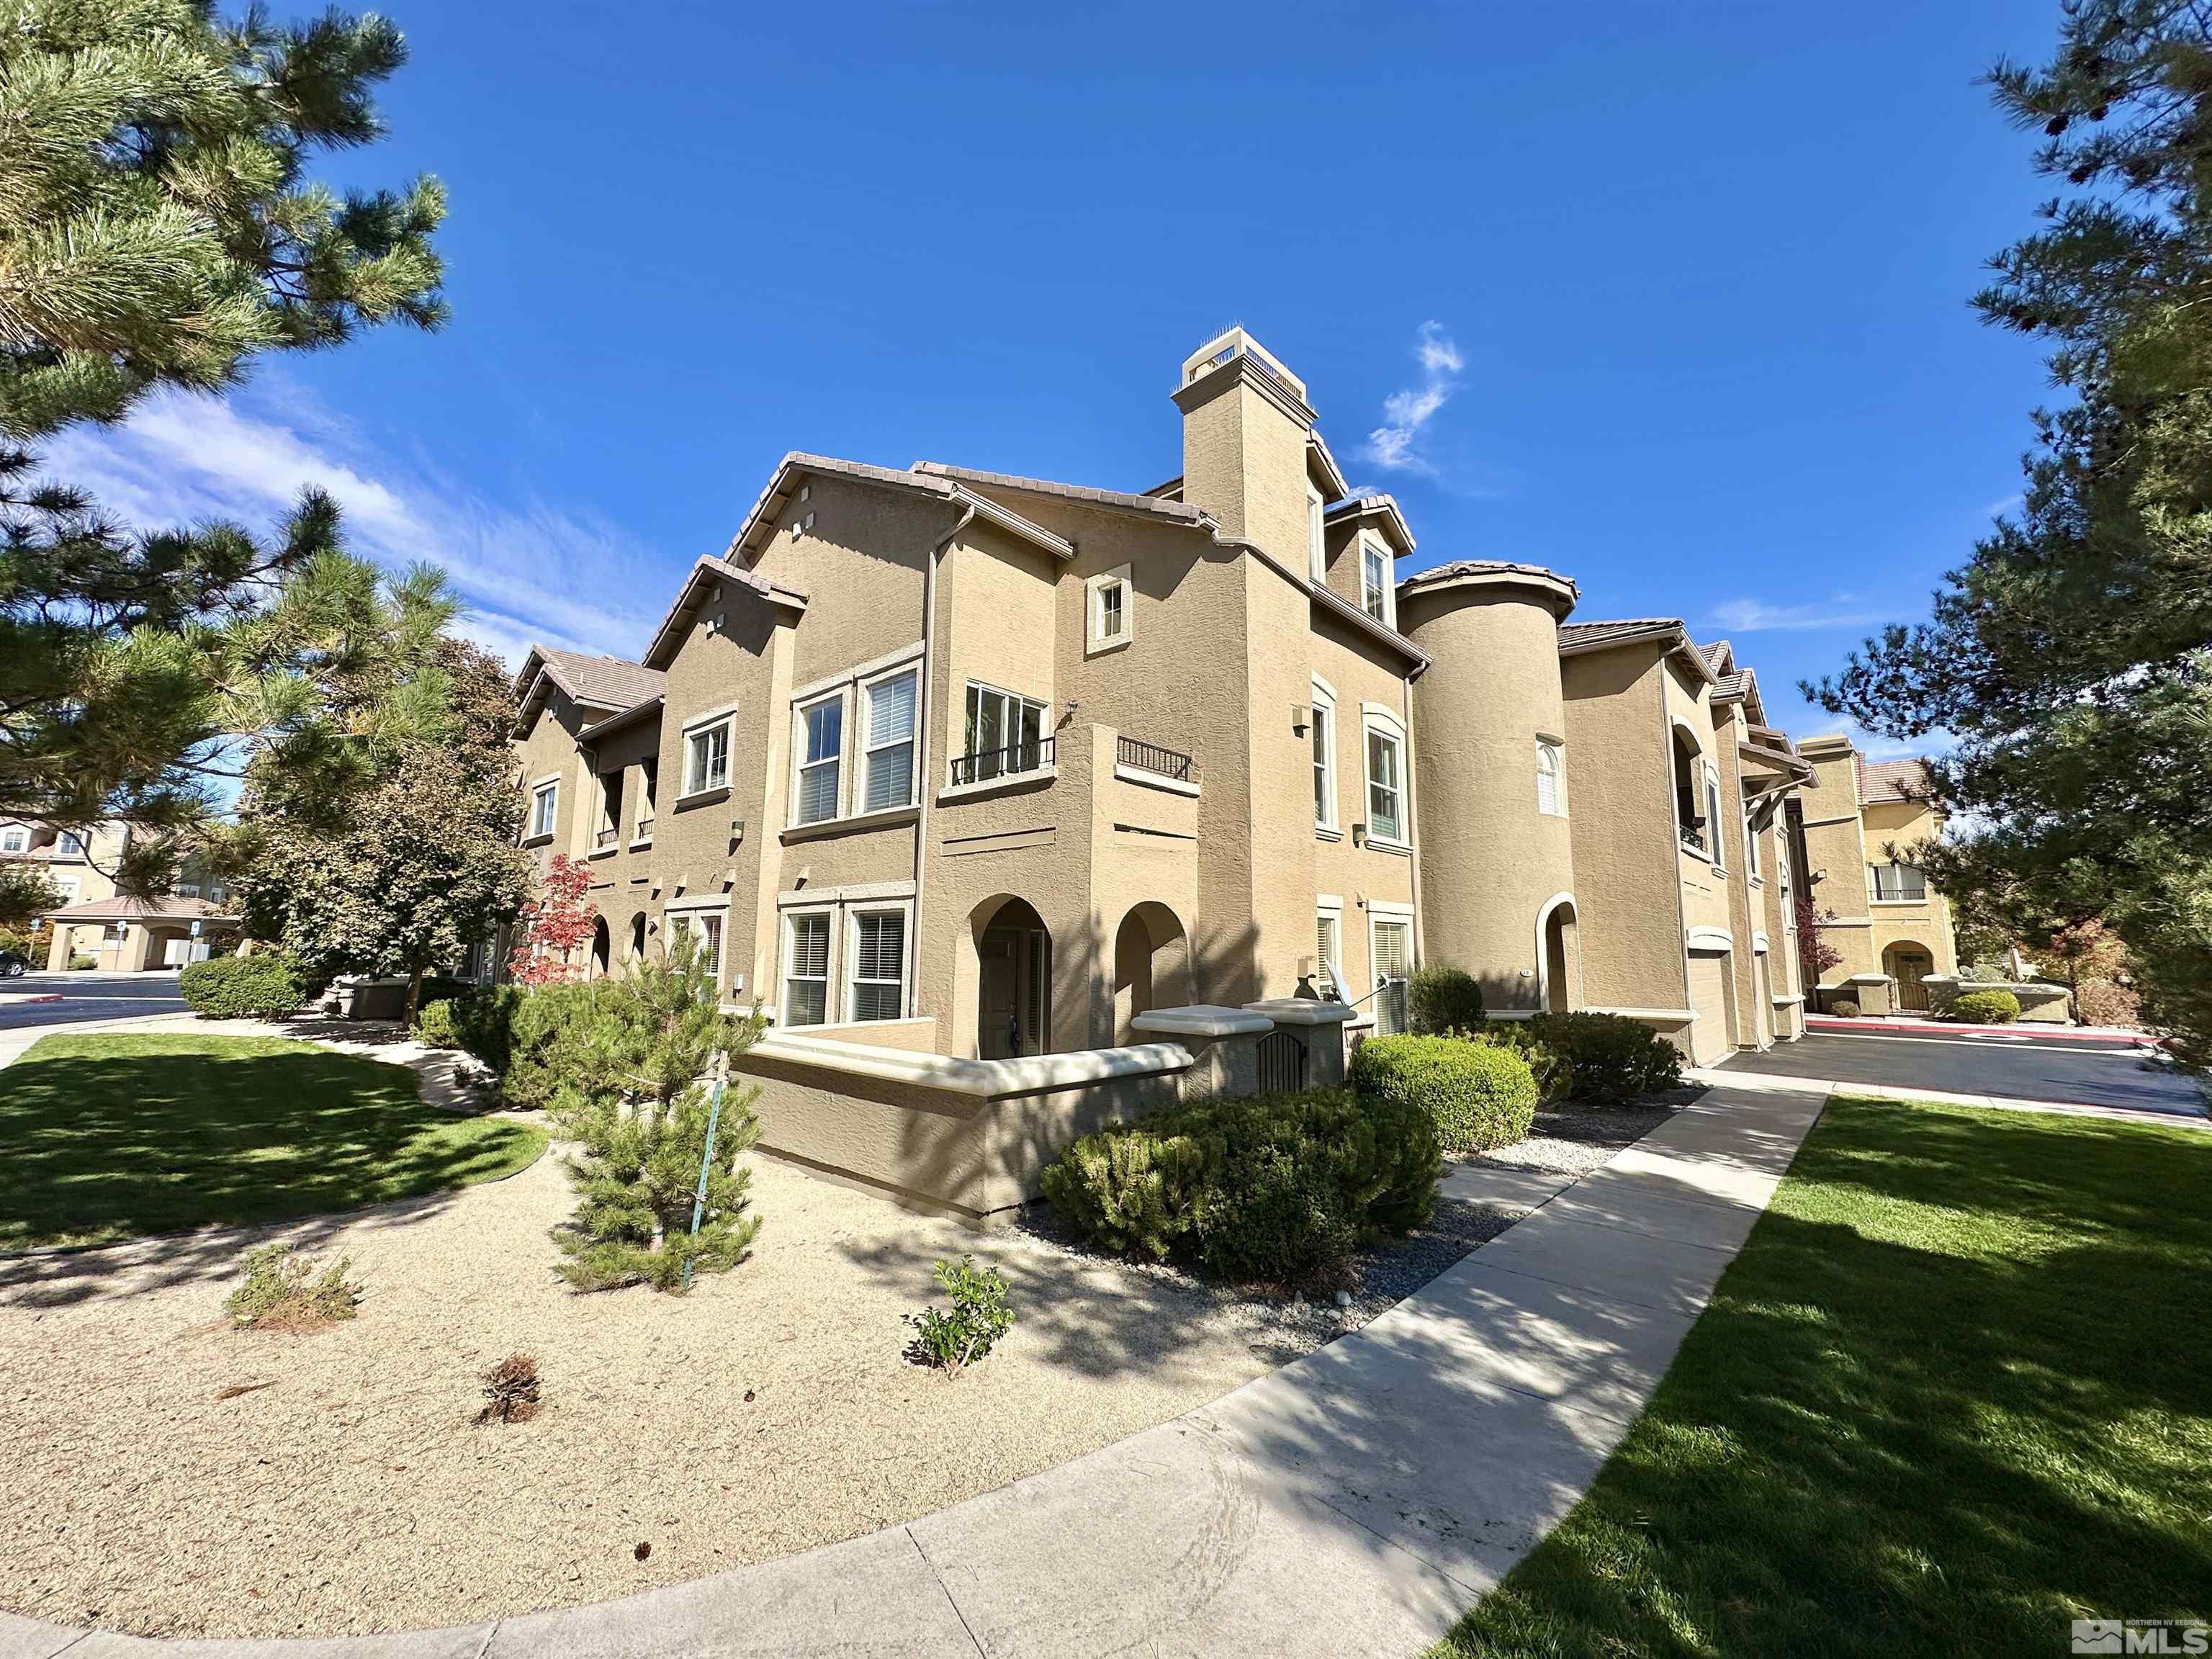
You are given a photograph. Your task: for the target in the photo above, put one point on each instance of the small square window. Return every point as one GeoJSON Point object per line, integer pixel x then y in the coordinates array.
{"type": "Point", "coordinates": [707, 758]}
{"type": "Point", "coordinates": [1110, 598]}
{"type": "Point", "coordinates": [545, 808]}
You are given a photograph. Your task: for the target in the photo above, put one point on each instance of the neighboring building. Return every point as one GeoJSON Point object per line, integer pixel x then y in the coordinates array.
{"type": "Point", "coordinates": [1890, 928]}
{"type": "Point", "coordinates": [121, 935]}
{"type": "Point", "coordinates": [983, 767]}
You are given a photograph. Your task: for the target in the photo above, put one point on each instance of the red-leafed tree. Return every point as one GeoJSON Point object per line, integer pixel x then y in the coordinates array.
{"type": "Point", "coordinates": [556, 925]}
{"type": "Point", "coordinates": [1815, 955]}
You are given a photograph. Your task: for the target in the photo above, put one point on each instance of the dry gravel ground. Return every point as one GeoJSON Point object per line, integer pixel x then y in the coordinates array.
{"type": "Point", "coordinates": [349, 1491]}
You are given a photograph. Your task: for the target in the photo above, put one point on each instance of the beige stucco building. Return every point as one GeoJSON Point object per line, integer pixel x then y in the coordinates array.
{"type": "Point", "coordinates": [1875, 906]}
{"type": "Point", "coordinates": [980, 769]}
{"type": "Point", "coordinates": [124, 935]}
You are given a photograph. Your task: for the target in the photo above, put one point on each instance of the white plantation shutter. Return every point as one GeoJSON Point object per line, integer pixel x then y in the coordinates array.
{"type": "Point", "coordinates": [879, 965]}
{"type": "Point", "coordinates": [890, 744]}
{"type": "Point", "coordinates": [806, 975]}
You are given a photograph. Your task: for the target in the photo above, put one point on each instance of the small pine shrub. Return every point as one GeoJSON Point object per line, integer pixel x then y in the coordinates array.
{"type": "Point", "coordinates": [268, 985]}
{"type": "Point", "coordinates": [981, 1312]}
{"type": "Point", "coordinates": [536, 1024]}
{"type": "Point", "coordinates": [283, 1292]}
{"type": "Point", "coordinates": [1135, 1189]}
{"type": "Point", "coordinates": [511, 1391]}
{"type": "Point", "coordinates": [478, 1019]}
{"type": "Point", "coordinates": [1610, 1058]}
{"type": "Point", "coordinates": [1444, 1000]}
{"type": "Point", "coordinates": [1844, 1008]}
{"type": "Point", "coordinates": [1478, 1095]}
{"type": "Point", "coordinates": [1991, 1007]}
{"type": "Point", "coordinates": [1274, 1219]}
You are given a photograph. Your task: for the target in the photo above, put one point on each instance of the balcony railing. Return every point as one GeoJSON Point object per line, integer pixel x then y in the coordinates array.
{"type": "Point", "coordinates": [608, 837]}
{"type": "Point", "coordinates": [1693, 840]}
{"type": "Point", "coordinates": [1032, 755]}
{"type": "Point", "coordinates": [1151, 758]}
{"type": "Point", "coordinates": [644, 831]}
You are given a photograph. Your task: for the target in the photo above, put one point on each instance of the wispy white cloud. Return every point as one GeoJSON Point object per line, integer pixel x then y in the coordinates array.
{"type": "Point", "coordinates": [1395, 445]}
{"type": "Point", "coordinates": [1995, 509]}
{"type": "Point", "coordinates": [1756, 616]}
{"type": "Point", "coordinates": [527, 571]}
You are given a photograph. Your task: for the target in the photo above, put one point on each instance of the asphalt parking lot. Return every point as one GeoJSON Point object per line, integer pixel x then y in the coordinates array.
{"type": "Point", "coordinates": [2012, 1065]}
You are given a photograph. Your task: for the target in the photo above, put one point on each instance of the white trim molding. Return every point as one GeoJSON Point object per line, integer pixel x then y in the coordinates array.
{"type": "Point", "coordinates": [1544, 921]}
{"type": "Point", "coordinates": [1707, 941]}
{"type": "Point", "coordinates": [1670, 1016]}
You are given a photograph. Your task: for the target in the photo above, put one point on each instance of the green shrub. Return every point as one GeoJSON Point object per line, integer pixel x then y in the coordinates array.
{"type": "Point", "coordinates": [1278, 1187]}
{"type": "Point", "coordinates": [980, 1314]}
{"type": "Point", "coordinates": [1476, 1095]}
{"type": "Point", "coordinates": [267, 985]}
{"type": "Point", "coordinates": [1610, 1058]}
{"type": "Point", "coordinates": [283, 1292]}
{"type": "Point", "coordinates": [1554, 1073]}
{"type": "Point", "coordinates": [434, 1027]}
{"type": "Point", "coordinates": [534, 1021]}
{"type": "Point", "coordinates": [1444, 1000]}
{"type": "Point", "coordinates": [80, 964]}
{"type": "Point", "coordinates": [1991, 1007]}
{"type": "Point", "coordinates": [1844, 1007]}
{"type": "Point", "coordinates": [479, 1018]}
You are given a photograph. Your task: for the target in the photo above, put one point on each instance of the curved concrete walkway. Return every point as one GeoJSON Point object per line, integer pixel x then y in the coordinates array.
{"type": "Point", "coordinates": [1355, 1503]}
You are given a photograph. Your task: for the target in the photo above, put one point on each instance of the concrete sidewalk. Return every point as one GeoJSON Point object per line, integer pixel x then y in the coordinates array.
{"type": "Point", "coordinates": [1355, 1503]}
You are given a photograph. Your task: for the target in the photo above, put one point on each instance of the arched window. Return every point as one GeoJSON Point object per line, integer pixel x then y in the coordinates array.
{"type": "Point", "coordinates": [1551, 778]}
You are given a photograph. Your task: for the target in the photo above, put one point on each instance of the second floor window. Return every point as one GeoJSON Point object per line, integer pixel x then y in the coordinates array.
{"type": "Point", "coordinates": [1897, 881]}
{"type": "Point", "coordinates": [1374, 581]}
{"type": "Point", "coordinates": [1551, 778]}
{"type": "Point", "coordinates": [1751, 846]}
{"type": "Point", "coordinates": [707, 758]}
{"type": "Point", "coordinates": [545, 808]}
{"type": "Point", "coordinates": [14, 840]}
{"type": "Point", "coordinates": [1324, 766]}
{"type": "Point", "coordinates": [1385, 787]}
{"type": "Point", "coordinates": [888, 764]}
{"type": "Point", "coordinates": [1006, 733]}
{"type": "Point", "coordinates": [1109, 596]}
{"type": "Point", "coordinates": [1316, 547]}
{"type": "Point", "coordinates": [1713, 819]}
{"type": "Point", "coordinates": [69, 844]}
{"type": "Point", "coordinates": [821, 750]}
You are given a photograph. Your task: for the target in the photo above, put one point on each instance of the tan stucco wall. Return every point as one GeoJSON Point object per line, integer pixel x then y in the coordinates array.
{"type": "Point", "coordinates": [1491, 861]}
{"type": "Point", "coordinates": [1843, 838]}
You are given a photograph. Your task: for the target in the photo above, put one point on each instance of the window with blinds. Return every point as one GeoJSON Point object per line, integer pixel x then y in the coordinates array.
{"type": "Point", "coordinates": [1384, 820]}
{"type": "Point", "coordinates": [807, 970]}
{"type": "Point", "coordinates": [888, 761]}
{"type": "Point", "coordinates": [1551, 778]}
{"type": "Point", "coordinates": [1393, 960]}
{"type": "Point", "coordinates": [1329, 978]}
{"type": "Point", "coordinates": [878, 987]}
{"type": "Point", "coordinates": [821, 749]}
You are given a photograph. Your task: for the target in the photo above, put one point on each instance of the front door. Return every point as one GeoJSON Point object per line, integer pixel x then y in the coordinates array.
{"type": "Point", "coordinates": [998, 1015]}
{"type": "Point", "coordinates": [1911, 969]}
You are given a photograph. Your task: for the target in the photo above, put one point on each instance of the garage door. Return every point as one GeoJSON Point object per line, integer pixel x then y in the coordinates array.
{"type": "Point", "coordinates": [1709, 1032]}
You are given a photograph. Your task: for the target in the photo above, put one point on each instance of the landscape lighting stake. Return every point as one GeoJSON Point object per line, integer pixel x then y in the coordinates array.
{"type": "Point", "coordinates": [706, 1162]}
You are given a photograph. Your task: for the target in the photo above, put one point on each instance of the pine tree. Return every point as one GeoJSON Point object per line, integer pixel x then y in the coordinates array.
{"type": "Point", "coordinates": [636, 1095]}
{"type": "Point", "coordinates": [158, 229]}
{"type": "Point", "coordinates": [2072, 655]}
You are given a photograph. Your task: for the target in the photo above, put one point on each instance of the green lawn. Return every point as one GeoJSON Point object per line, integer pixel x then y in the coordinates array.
{"type": "Point", "coordinates": [1956, 1391]}
{"type": "Point", "coordinates": [110, 1136]}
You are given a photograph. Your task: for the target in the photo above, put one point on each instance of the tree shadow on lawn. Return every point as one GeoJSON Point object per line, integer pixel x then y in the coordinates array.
{"type": "Point", "coordinates": [117, 1137]}
{"type": "Point", "coordinates": [1956, 1391]}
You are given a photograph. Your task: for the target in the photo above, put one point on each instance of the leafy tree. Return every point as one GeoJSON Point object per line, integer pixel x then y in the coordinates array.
{"type": "Point", "coordinates": [158, 229]}
{"type": "Point", "coordinates": [25, 892]}
{"type": "Point", "coordinates": [556, 922]}
{"type": "Point", "coordinates": [2072, 654]}
{"type": "Point", "coordinates": [1815, 955]}
{"type": "Point", "coordinates": [424, 862]}
{"type": "Point", "coordinates": [635, 1064]}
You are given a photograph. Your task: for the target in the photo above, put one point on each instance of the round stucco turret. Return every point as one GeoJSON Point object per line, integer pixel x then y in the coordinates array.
{"type": "Point", "coordinates": [1497, 871]}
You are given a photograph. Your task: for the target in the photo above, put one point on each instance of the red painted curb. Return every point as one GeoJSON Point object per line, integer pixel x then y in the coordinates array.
{"type": "Point", "coordinates": [18, 1002]}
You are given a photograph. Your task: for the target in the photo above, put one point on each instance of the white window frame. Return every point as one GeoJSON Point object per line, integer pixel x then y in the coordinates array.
{"type": "Point", "coordinates": [727, 724]}
{"type": "Point", "coordinates": [1896, 868]}
{"type": "Point", "coordinates": [800, 766]}
{"type": "Point", "coordinates": [1714, 816]}
{"type": "Point", "coordinates": [1751, 848]}
{"type": "Point", "coordinates": [692, 918]}
{"type": "Point", "coordinates": [1323, 738]}
{"type": "Point", "coordinates": [849, 979]}
{"type": "Point", "coordinates": [68, 844]}
{"type": "Point", "coordinates": [1328, 977]}
{"type": "Point", "coordinates": [1379, 916]}
{"type": "Point", "coordinates": [1097, 641]}
{"type": "Point", "coordinates": [545, 808]}
{"type": "Point", "coordinates": [1020, 704]}
{"type": "Point", "coordinates": [911, 742]}
{"type": "Point", "coordinates": [785, 1006]}
{"type": "Point", "coordinates": [1551, 762]}
{"type": "Point", "coordinates": [1373, 546]}
{"type": "Point", "coordinates": [1316, 537]}
{"type": "Point", "coordinates": [15, 839]}
{"type": "Point", "coordinates": [67, 886]}
{"type": "Point", "coordinates": [1375, 723]}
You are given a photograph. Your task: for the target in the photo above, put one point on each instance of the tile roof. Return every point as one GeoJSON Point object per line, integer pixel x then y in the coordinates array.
{"type": "Point", "coordinates": [1899, 779]}
{"type": "Point", "coordinates": [1604, 633]}
{"type": "Point", "coordinates": [169, 909]}
{"type": "Point", "coordinates": [1484, 568]}
{"type": "Point", "coordinates": [1182, 512]}
{"type": "Point", "coordinates": [603, 682]}
{"type": "Point", "coordinates": [1717, 655]}
{"type": "Point", "coordinates": [1731, 686]}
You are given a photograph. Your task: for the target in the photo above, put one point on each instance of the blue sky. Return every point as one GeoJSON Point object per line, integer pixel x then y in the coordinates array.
{"type": "Point", "coordinates": [1670, 297]}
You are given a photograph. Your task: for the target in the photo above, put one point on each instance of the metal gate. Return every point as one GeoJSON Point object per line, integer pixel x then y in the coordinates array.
{"type": "Point", "coordinates": [1282, 1062]}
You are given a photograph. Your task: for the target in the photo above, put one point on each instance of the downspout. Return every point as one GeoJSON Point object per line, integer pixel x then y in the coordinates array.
{"type": "Point", "coordinates": [1413, 813]}
{"type": "Point", "coordinates": [924, 722]}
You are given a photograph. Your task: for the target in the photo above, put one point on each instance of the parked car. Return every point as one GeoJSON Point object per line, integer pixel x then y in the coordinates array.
{"type": "Point", "coordinates": [14, 964]}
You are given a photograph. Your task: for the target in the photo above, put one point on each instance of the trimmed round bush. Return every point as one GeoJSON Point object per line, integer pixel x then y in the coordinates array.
{"type": "Point", "coordinates": [479, 1018]}
{"type": "Point", "coordinates": [1991, 1007]}
{"type": "Point", "coordinates": [1478, 1095]}
{"type": "Point", "coordinates": [1441, 999]}
{"type": "Point", "coordinates": [266, 986]}
{"type": "Point", "coordinates": [1609, 1057]}
{"type": "Point", "coordinates": [1844, 1008]}
{"type": "Point", "coordinates": [1272, 1219]}
{"type": "Point", "coordinates": [1554, 1072]}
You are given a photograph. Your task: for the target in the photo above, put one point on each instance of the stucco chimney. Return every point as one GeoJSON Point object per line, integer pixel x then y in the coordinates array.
{"type": "Point", "coordinates": [1245, 423]}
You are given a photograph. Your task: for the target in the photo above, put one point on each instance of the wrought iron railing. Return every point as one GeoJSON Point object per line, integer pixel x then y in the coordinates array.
{"type": "Point", "coordinates": [1693, 840]}
{"type": "Point", "coordinates": [1030, 755]}
{"type": "Point", "coordinates": [609, 836]}
{"type": "Point", "coordinates": [1151, 758]}
{"type": "Point", "coordinates": [644, 831]}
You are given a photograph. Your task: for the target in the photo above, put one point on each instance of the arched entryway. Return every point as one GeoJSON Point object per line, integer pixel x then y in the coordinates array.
{"type": "Point", "coordinates": [1909, 963]}
{"type": "Point", "coordinates": [637, 926]}
{"type": "Point", "coordinates": [1151, 965]}
{"type": "Point", "coordinates": [602, 948]}
{"type": "Point", "coordinates": [1013, 979]}
{"type": "Point", "coordinates": [1559, 956]}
